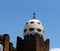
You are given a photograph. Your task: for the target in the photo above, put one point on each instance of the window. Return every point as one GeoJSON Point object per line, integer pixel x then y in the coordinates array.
{"type": "Point", "coordinates": [31, 22]}
{"type": "Point", "coordinates": [26, 23]}
{"type": "Point", "coordinates": [39, 30]}
{"type": "Point", "coordinates": [25, 30]}
{"type": "Point", "coordinates": [31, 29]}
{"type": "Point", "coordinates": [38, 22]}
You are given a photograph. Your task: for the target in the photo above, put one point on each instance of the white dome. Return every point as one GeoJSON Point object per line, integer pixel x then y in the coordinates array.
{"type": "Point", "coordinates": [33, 26]}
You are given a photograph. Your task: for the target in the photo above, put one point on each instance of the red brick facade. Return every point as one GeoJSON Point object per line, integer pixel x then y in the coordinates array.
{"type": "Point", "coordinates": [29, 43]}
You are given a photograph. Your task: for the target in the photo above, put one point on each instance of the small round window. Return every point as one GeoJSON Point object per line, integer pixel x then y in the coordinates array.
{"type": "Point", "coordinates": [38, 22]}
{"type": "Point", "coordinates": [26, 23]}
{"type": "Point", "coordinates": [25, 30]}
{"type": "Point", "coordinates": [43, 31]}
{"type": "Point", "coordinates": [31, 22]}
{"type": "Point", "coordinates": [31, 29]}
{"type": "Point", "coordinates": [39, 30]}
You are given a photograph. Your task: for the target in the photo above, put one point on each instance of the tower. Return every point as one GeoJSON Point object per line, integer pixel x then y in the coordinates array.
{"type": "Point", "coordinates": [6, 42]}
{"type": "Point", "coordinates": [33, 37]}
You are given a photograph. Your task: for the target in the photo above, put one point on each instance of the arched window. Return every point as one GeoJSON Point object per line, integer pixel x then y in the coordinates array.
{"type": "Point", "coordinates": [1, 47]}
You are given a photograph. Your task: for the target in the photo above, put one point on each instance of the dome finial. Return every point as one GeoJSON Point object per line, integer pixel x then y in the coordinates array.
{"type": "Point", "coordinates": [34, 16]}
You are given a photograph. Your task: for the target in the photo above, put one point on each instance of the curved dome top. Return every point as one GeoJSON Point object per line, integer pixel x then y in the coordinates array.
{"type": "Point", "coordinates": [33, 26]}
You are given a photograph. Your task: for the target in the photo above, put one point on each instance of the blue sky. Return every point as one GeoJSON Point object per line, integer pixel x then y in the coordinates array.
{"type": "Point", "coordinates": [15, 13]}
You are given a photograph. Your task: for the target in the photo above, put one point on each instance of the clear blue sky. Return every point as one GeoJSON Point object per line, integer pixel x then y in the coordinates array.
{"type": "Point", "coordinates": [15, 13]}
